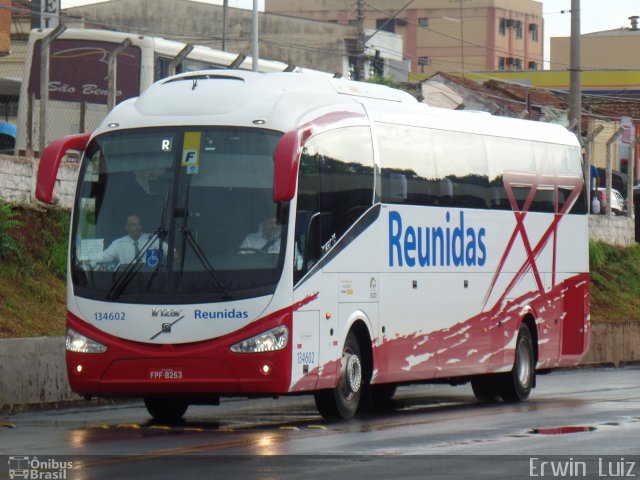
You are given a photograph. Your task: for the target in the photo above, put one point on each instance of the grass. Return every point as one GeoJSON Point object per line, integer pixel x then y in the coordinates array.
{"type": "Point", "coordinates": [32, 271]}
{"type": "Point", "coordinates": [33, 251]}
{"type": "Point", "coordinates": [615, 283]}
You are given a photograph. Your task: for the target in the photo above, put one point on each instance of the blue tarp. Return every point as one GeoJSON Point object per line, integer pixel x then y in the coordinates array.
{"type": "Point", "coordinates": [7, 128]}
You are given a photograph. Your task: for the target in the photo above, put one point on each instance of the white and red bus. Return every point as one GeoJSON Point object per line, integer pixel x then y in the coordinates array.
{"type": "Point", "coordinates": [415, 244]}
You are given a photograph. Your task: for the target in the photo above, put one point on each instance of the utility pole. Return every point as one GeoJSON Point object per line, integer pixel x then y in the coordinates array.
{"type": "Point", "coordinates": [254, 38]}
{"type": "Point", "coordinates": [360, 47]}
{"type": "Point", "coordinates": [461, 40]}
{"type": "Point", "coordinates": [575, 88]}
{"type": "Point", "coordinates": [225, 21]}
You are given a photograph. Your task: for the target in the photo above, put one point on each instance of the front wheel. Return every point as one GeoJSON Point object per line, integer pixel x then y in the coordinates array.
{"type": "Point", "coordinates": [342, 402]}
{"type": "Point", "coordinates": [166, 410]}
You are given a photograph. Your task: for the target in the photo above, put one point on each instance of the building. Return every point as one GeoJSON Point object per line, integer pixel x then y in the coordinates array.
{"type": "Point", "coordinates": [303, 43]}
{"type": "Point", "coordinates": [609, 49]}
{"type": "Point", "coordinates": [5, 27]}
{"type": "Point", "coordinates": [443, 35]}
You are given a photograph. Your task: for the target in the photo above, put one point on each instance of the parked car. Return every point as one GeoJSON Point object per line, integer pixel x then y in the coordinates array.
{"type": "Point", "coordinates": [618, 203]}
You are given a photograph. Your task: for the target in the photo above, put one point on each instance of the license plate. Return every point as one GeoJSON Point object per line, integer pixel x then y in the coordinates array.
{"type": "Point", "coordinates": [166, 374]}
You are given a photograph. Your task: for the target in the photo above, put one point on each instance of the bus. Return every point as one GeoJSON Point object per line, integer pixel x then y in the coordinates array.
{"type": "Point", "coordinates": [78, 76]}
{"type": "Point", "coordinates": [414, 244]}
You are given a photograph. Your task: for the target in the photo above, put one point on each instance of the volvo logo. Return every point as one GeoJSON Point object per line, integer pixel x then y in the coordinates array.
{"type": "Point", "coordinates": [166, 327]}
{"type": "Point", "coordinates": [165, 312]}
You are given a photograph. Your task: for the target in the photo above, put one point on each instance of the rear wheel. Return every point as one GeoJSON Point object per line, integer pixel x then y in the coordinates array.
{"type": "Point", "coordinates": [516, 385]}
{"type": "Point", "coordinates": [167, 410]}
{"type": "Point", "coordinates": [484, 388]}
{"type": "Point", "coordinates": [342, 402]}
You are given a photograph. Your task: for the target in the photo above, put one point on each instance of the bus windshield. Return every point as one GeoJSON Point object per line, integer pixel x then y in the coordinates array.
{"type": "Point", "coordinates": [178, 215]}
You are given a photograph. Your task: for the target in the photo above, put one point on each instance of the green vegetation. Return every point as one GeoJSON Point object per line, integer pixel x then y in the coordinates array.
{"type": "Point", "coordinates": [33, 260]}
{"type": "Point", "coordinates": [615, 283]}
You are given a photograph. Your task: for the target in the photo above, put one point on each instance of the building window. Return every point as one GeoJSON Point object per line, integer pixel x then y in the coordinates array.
{"type": "Point", "coordinates": [517, 63]}
{"type": "Point", "coordinates": [533, 28]}
{"type": "Point", "coordinates": [503, 27]}
{"type": "Point", "coordinates": [533, 66]}
{"type": "Point", "coordinates": [386, 25]}
{"type": "Point", "coordinates": [518, 27]}
{"type": "Point", "coordinates": [422, 62]}
{"type": "Point", "coordinates": [423, 22]}
{"type": "Point", "coordinates": [500, 63]}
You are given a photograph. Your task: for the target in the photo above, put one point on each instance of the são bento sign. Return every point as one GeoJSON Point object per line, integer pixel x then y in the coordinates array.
{"type": "Point", "coordinates": [79, 69]}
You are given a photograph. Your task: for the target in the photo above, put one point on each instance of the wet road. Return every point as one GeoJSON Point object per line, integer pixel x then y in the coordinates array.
{"type": "Point", "coordinates": [589, 416]}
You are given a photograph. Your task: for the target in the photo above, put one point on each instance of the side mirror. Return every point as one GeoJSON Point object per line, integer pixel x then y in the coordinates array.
{"type": "Point", "coordinates": [50, 163]}
{"type": "Point", "coordinates": [286, 160]}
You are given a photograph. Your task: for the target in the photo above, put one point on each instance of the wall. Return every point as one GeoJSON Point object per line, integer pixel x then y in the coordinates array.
{"type": "Point", "coordinates": [32, 371]}
{"type": "Point", "coordinates": [18, 180]}
{"type": "Point", "coordinates": [614, 343]}
{"type": "Point", "coordinates": [612, 230]}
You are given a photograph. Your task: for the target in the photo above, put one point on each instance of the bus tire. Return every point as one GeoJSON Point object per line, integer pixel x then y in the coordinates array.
{"type": "Point", "coordinates": [377, 397]}
{"type": "Point", "coordinates": [166, 410]}
{"type": "Point", "coordinates": [382, 395]}
{"type": "Point", "coordinates": [516, 385]}
{"type": "Point", "coordinates": [342, 402]}
{"type": "Point", "coordinates": [484, 388]}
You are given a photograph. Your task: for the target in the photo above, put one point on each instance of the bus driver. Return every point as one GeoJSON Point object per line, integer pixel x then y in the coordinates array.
{"type": "Point", "coordinates": [125, 249]}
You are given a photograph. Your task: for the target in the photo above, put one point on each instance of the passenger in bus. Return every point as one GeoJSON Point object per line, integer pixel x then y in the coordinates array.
{"type": "Point", "coordinates": [125, 249]}
{"type": "Point", "coordinates": [266, 239]}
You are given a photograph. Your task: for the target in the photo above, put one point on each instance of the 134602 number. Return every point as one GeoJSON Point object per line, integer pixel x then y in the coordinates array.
{"type": "Point", "coordinates": [107, 316]}
{"type": "Point", "coordinates": [307, 358]}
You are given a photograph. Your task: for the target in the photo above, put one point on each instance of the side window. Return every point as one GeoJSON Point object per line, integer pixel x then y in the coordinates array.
{"type": "Point", "coordinates": [408, 170]}
{"type": "Point", "coordinates": [565, 164]}
{"type": "Point", "coordinates": [335, 187]}
{"type": "Point", "coordinates": [512, 163]}
{"type": "Point", "coordinates": [462, 169]}
{"type": "Point", "coordinates": [520, 165]}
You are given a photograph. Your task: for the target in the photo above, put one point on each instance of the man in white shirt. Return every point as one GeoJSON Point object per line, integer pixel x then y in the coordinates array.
{"type": "Point", "coordinates": [125, 249]}
{"type": "Point", "coordinates": [267, 239]}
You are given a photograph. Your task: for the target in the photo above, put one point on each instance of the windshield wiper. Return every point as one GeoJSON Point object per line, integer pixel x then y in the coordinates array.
{"type": "Point", "coordinates": [202, 257]}
{"type": "Point", "coordinates": [162, 233]}
{"type": "Point", "coordinates": [193, 243]}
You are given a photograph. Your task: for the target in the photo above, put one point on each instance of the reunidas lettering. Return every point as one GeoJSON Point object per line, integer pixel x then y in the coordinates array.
{"type": "Point", "coordinates": [435, 246]}
{"type": "Point", "coordinates": [232, 313]}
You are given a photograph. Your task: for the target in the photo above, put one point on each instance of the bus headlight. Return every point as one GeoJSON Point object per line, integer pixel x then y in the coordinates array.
{"type": "Point", "coordinates": [275, 339]}
{"type": "Point", "coordinates": [81, 344]}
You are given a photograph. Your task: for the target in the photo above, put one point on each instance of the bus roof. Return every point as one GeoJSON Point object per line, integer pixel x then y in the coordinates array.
{"type": "Point", "coordinates": [278, 101]}
{"type": "Point", "coordinates": [286, 101]}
